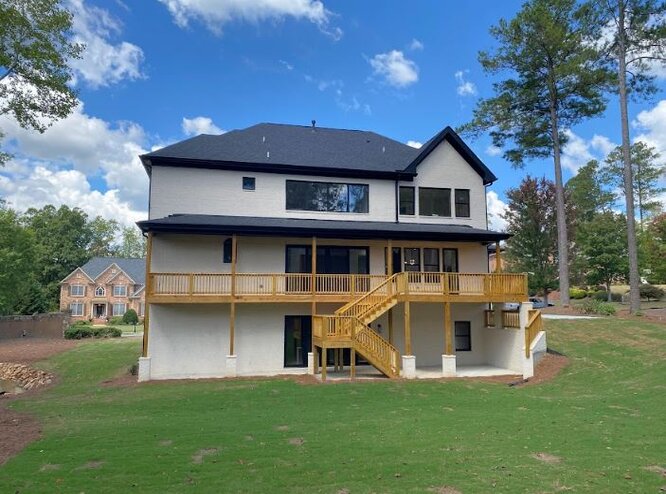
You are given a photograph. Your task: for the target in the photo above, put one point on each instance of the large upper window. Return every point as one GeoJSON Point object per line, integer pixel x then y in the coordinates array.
{"type": "Point", "coordinates": [119, 290]}
{"type": "Point", "coordinates": [326, 196]}
{"type": "Point", "coordinates": [462, 203]}
{"type": "Point", "coordinates": [434, 202]}
{"type": "Point", "coordinates": [407, 200]}
{"type": "Point", "coordinates": [77, 290]}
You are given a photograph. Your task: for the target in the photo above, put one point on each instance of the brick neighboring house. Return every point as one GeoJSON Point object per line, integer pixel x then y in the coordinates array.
{"type": "Point", "coordinates": [104, 287]}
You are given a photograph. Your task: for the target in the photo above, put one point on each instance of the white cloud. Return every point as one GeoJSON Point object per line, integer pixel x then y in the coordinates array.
{"type": "Point", "coordinates": [496, 210]}
{"type": "Point", "coordinates": [286, 65]}
{"type": "Point", "coordinates": [415, 144]}
{"type": "Point", "coordinates": [652, 126]}
{"type": "Point", "coordinates": [396, 70]}
{"type": "Point", "coordinates": [352, 105]}
{"type": "Point", "coordinates": [465, 87]}
{"type": "Point", "coordinates": [42, 186]}
{"type": "Point", "coordinates": [578, 151]}
{"type": "Point", "coordinates": [200, 125]}
{"type": "Point", "coordinates": [86, 145]}
{"type": "Point", "coordinates": [493, 150]}
{"type": "Point", "coordinates": [103, 62]}
{"type": "Point", "coordinates": [416, 45]}
{"type": "Point", "coordinates": [215, 13]}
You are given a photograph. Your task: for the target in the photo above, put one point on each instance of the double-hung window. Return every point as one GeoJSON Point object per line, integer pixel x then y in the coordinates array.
{"type": "Point", "coordinates": [119, 290]}
{"type": "Point", "coordinates": [463, 331]}
{"type": "Point", "coordinates": [77, 290]}
{"type": "Point", "coordinates": [462, 203]}
{"type": "Point", "coordinates": [76, 308]}
{"type": "Point", "coordinates": [119, 309]}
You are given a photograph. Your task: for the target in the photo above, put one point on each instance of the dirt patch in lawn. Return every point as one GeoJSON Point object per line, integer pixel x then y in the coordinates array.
{"type": "Point", "coordinates": [547, 458]}
{"type": "Point", "coordinates": [444, 489]}
{"type": "Point", "coordinates": [30, 350]}
{"type": "Point", "coordinates": [198, 457]}
{"type": "Point", "coordinates": [18, 430]}
{"type": "Point", "coordinates": [296, 441]}
{"type": "Point", "coordinates": [659, 470]}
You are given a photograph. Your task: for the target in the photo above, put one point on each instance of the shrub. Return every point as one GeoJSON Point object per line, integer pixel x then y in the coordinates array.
{"type": "Point", "coordinates": [577, 293]}
{"type": "Point", "coordinates": [650, 291]}
{"type": "Point", "coordinates": [106, 332]}
{"type": "Point", "coordinates": [82, 323]}
{"type": "Point", "coordinates": [134, 369]}
{"type": "Point", "coordinates": [115, 320]}
{"type": "Point", "coordinates": [130, 317]}
{"type": "Point", "coordinates": [78, 331]}
{"type": "Point", "coordinates": [616, 297]}
{"type": "Point", "coordinates": [601, 295]}
{"type": "Point", "coordinates": [592, 306]}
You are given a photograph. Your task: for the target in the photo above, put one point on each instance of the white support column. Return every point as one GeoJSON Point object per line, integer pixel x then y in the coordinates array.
{"type": "Point", "coordinates": [409, 366]}
{"type": "Point", "coordinates": [232, 365]}
{"type": "Point", "coordinates": [144, 369]}
{"type": "Point", "coordinates": [311, 363]}
{"type": "Point", "coordinates": [449, 366]}
{"type": "Point", "coordinates": [528, 362]}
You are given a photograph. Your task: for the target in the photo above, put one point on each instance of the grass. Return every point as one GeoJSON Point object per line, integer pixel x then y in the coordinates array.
{"type": "Point", "coordinates": [598, 427]}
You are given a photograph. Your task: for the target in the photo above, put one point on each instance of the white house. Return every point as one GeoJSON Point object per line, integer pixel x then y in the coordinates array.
{"type": "Point", "coordinates": [271, 246]}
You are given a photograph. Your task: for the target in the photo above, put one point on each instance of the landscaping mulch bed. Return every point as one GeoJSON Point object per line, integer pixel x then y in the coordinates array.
{"type": "Point", "coordinates": [18, 430]}
{"type": "Point", "coordinates": [29, 350]}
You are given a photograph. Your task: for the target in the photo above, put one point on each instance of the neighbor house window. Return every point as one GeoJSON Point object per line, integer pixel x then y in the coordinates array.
{"type": "Point", "coordinates": [434, 202]}
{"type": "Point", "coordinates": [77, 290]}
{"type": "Point", "coordinates": [326, 196]}
{"type": "Point", "coordinates": [463, 336]}
{"type": "Point", "coordinates": [142, 308]}
{"type": "Point", "coordinates": [76, 308]}
{"type": "Point", "coordinates": [462, 203]}
{"type": "Point", "coordinates": [226, 251]}
{"type": "Point", "coordinates": [100, 291]}
{"type": "Point", "coordinates": [249, 183]}
{"type": "Point", "coordinates": [118, 309]}
{"type": "Point", "coordinates": [407, 200]}
{"type": "Point", "coordinates": [119, 290]}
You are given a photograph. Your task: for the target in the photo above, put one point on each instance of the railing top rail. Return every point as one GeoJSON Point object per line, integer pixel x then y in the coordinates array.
{"type": "Point", "coordinates": [360, 300]}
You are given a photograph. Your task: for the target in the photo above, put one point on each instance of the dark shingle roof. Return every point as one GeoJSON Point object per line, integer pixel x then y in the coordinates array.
{"type": "Point", "coordinates": [135, 268]}
{"type": "Point", "coordinates": [296, 145]}
{"type": "Point", "coordinates": [247, 225]}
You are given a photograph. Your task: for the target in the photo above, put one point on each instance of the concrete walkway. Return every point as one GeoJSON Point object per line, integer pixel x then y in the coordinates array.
{"type": "Point", "coordinates": [566, 316]}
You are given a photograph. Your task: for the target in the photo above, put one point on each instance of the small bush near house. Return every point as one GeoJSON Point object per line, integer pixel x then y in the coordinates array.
{"type": "Point", "coordinates": [130, 317]}
{"type": "Point", "coordinates": [616, 297]}
{"type": "Point", "coordinates": [601, 295]}
{"type": "Point", "coordinates": [115, 320]}
{"type": "Point", "coordinates": [77, 332]}
{"type": "Point", "coordinates": [82, 323]}
{"type": "Point", "coordinates": [592, 306]}
{"type": "Point", "coordinates": [651, 292]}
{"type": "Point", "coordinates": [577, 293]}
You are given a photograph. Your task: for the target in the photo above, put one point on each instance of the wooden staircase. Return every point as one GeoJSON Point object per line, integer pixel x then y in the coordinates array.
{"type": "Point", "coordinates": [349, 327]}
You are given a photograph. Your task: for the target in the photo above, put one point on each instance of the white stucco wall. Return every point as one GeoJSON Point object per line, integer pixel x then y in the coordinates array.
{"type": "Point", "coordinates": [505, 348]}
{"type": "Point", "coordinates": [202, 191]}
{"type": "Point", "coordinates": [445, 168]}
{"type": "Point", "coordinates": [203, 253]}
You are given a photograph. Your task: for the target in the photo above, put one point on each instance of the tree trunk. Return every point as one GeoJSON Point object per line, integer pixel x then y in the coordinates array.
{"type": "Point", "coordinates": [608, 292]}
{"type": "Point", "coordinates": [634, 277]}
{"type": "Point", "coordinates": [562, 240]}
{"type": "Point", "coordinates": [545, 297]}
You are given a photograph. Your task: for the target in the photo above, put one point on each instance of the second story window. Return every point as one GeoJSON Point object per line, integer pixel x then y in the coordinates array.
{"type": "Point", "coordinates": [326, 196]}
{"type": "Point", "coordinates": [226, 251]}
{"type": "Point", "coordinates": [249, 183]}
{"type": "Point", "coordinates": [407, 200]}
{"type": "Point", "coordinates": [119, 290]}
{"type": "Point", "coordinates": [462, 203]}
{"type": "Point", "coordinates": [434, 202]}
{"type": "Point", "coordinates": [77, 290]}
{"type": "Point", "coordinates": [100, 291]}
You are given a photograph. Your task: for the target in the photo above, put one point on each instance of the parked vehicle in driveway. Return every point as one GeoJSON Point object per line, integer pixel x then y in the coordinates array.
{"type": "Point", "coordinates": [538, 303]}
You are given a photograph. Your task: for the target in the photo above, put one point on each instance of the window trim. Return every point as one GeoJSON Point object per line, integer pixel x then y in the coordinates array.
{"type": "Point", "coordinates": [103, 290]}
{"type": "Point", "coordinates": [407, 188]}
{"type": "Point", "coordinates": [249, 188]}
{"type": "Point", "coordinates": [468, 203]}
{"type": "Point", "coordinates": [435, 215]}
{"type": "Point", "coordinates": [83, 309]}
{"type": "Point", "coordinates": [78, 285]}
{"type": "Point", "coordinates": [468, 336]}
{"type": "Point", "coordinates": [124, 294]}
{"type": "Point", "coordinates": [346, 184]}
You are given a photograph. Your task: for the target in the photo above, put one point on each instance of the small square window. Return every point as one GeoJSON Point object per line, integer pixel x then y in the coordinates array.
{"type": "Point", "coordinates": [249, 183]}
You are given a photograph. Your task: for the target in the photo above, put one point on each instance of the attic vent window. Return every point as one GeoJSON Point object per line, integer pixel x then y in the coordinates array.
{"type": "Point", "coordinates": [113, 271]}
{"type": "Point", "coordinates": [249, 183]}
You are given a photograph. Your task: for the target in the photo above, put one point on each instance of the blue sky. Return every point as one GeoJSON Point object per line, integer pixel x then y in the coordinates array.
{"type": "Point", "coordinates": [157, 71]}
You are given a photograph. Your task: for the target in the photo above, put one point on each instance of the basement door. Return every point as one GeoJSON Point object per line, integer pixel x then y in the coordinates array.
{"type": "Point", "coordinates": [297, 340]}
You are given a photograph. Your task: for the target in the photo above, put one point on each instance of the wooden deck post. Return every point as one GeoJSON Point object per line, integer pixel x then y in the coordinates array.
{"type": "Point", "coordinates": [323, 363]}
{"type": "Point", "coordinates": [408, 330]}
{"type": "Point", "coordinates": [232, 311]}
{"type": "Point", "coordinates": [389, 272]}
{"type": "Point", "coordinates": [313, 308]}
{"type": "Point", "coordinates": [498, 258]}
{"type": "Point", "coordinates": [352, 363]}
{"type": "Point", "coordinates": [448, 330]}
{"type": "Point", "coordinates": [148, 288]}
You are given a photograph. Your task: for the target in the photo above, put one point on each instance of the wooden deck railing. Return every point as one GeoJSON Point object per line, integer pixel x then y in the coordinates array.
{"type": "Point", "coordinates": [534, 325]}
{"type": "Point", "coordinates": [510, 319]}
{"type": "Point", "coordinates": [265, 286]}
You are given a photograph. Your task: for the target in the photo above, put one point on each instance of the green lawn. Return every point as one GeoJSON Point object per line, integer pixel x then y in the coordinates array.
{"type": "Point", "coordinates": [604, 417]}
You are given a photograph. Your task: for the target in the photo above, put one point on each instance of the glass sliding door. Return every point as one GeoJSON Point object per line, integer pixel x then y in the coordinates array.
{"type": "Point", "coordinates": [450, 265]}
{"type": "Point", "coordinates": [297, 340]}
{"type": "Point", "coordinates": [298, 260]}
